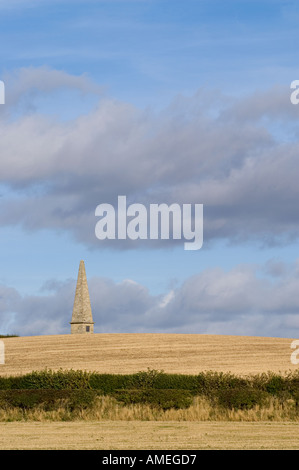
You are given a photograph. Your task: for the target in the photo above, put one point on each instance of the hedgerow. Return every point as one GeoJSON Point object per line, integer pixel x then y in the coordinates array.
{"type": "Point", "coordinates": [226, 389]}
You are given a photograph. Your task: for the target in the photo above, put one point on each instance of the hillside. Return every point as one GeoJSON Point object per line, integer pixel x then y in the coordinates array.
{"type": "Point", "coordinates": [126, 353]}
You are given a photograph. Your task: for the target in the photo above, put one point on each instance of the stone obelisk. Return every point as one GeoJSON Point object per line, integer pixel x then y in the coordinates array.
{"type": "Point", "coordinates": [82, 321]}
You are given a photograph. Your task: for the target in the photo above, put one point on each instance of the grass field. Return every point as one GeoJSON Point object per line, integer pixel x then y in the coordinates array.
{"type": "Point", "coordinates": [126, 353]}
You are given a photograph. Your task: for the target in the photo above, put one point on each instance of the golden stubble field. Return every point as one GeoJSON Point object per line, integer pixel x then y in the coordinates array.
{"type": "Point", "coordinates": [127, 353]}
{"type": "Point", "coordinates": [145, 435]}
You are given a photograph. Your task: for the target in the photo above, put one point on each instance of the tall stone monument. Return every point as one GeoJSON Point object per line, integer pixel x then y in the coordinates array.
{"type": "Point", "coordinates": [82, 322]}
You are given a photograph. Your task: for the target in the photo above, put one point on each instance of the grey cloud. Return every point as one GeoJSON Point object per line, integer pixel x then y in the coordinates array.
{"type": "Point", "coordinates": [23, 86]}
{"type": "Point", "coordinates": [45, 79]}
{"type": "Point", "coordinates": [276, 268]}
{"type": "Point", "coordinates": [239, 301]}
{"type": "Point", "coordinates": [273, 103]}
{"type": "Point", "coordinates": [9, 297]}
{"type": "Point", "coordinates": [229, 159]}
{"type": "Point", "coordinates": [41, 314]}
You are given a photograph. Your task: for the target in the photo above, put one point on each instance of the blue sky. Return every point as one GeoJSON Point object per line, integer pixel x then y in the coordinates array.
{"type": "Point", "coordinates": [163, 101]}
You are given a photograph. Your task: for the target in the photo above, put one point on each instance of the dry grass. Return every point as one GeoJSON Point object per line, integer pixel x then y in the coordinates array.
{"type": "Point", "coordinates": [167, 435]}
{"type": "Point", "coordinates": [107, 408]}
{"type": "Point", "coordinates": [127, 353]}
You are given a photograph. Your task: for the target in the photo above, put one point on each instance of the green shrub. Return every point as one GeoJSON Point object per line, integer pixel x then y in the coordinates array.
{"type": "Point", "coordinates": [27, 399]}
{"type": "Point", "coordinates": [177, 381]}
{"type": "Point", "coordinates": [275, 385]}
{"type": "Point", "coordinates": [81, 399]}
{"type": "Point", "coordinates": [19, 398]}
{"type": "Point", "coordinates": [293, 389]}
{"type": "Point", "coordinates": [145, 379]}
{"type": "Point", "coordinates": [242, 398]}
{"type": "Point", "coordinates": [107, 383]}
{"type": "Point", "coordinates": [209, 383]}
{"type": "Point", "coordinates": [5, 383]}
{"type": "Point", "coordinates": [48, 399]}
{"type": "Point", "coordinates": [9, 336]}
{"type": "Point", "coordinates": [48, 379]}
{"type": "Point", "coordinates": [161, 398]}
{"type": "Point", "coordinates": [293, 386]}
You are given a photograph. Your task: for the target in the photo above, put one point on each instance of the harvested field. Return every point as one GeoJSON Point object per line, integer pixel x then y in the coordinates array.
{"type": "Point", "coordinates": [115, 435]}
{"type": "Point", "coordinates": [127, 353]}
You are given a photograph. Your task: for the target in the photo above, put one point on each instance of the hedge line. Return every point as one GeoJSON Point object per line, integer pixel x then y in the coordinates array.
{"type": "Point", "coordinates": [165, 399]}
{"type": "Point", "coordinates": [154, 387]}
{"type": "Point", "coordinates": [205, 383]}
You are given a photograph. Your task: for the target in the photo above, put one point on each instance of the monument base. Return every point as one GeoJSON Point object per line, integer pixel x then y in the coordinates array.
{"type": "Point", "coordinates": [81, 328]}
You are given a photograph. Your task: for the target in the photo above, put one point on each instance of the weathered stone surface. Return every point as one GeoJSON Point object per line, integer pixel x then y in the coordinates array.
{"type": "Point", "coordinates": [82, 321]}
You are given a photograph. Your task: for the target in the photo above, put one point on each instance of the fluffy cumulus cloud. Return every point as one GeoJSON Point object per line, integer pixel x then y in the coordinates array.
{"type": "Point", "coordinates": [241, 301]}
{"type": "Point", "coordinates": [237, 156]}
